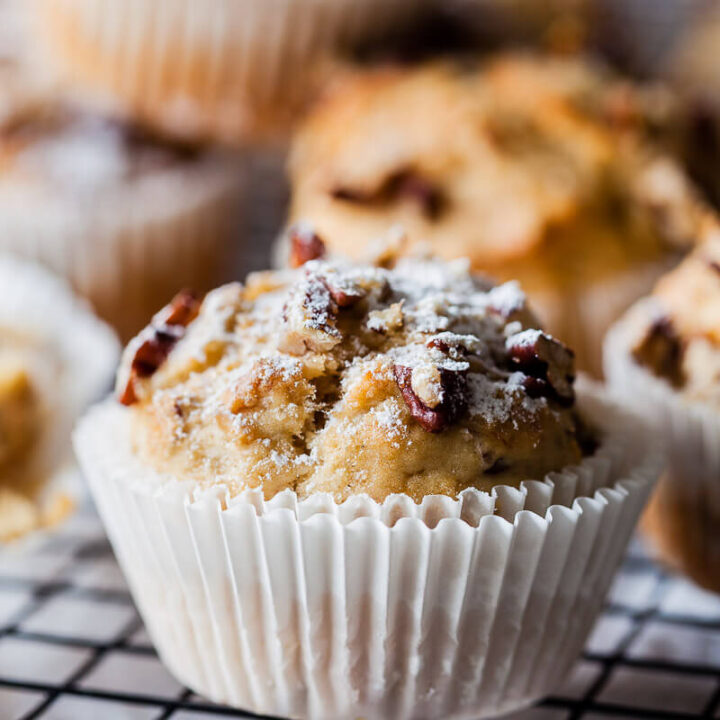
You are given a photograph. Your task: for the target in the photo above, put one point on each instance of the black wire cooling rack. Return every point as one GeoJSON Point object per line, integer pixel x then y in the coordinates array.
{"type": "Point", "coordinates": [72, 646]}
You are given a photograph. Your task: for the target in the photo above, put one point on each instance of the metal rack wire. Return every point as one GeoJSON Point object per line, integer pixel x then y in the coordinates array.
{"type": "Point", "coordinates": [73, 646]}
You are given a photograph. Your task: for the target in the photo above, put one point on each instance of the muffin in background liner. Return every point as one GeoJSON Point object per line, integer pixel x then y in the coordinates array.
{"type": "Point", "coordinates": [129, 246]}
{"type": "Point", "coordinates": [684, 513]}
{"type": "Point", "coordinates": [81, 354]}
{"type": "Point", "coordinates": [582, 316]}
{"type": "Point", "coordinates": [220, 70]}
{"type": "Point", "coordinates": [451, 608]}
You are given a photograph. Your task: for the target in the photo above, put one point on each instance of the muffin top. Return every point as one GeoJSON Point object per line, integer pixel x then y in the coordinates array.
{"type": "Point", "coordinates": [498, 160]}
{"type": "Point", "coordinates": [680, 336]}
{"type": "Point", "coordinates": [415, 378]}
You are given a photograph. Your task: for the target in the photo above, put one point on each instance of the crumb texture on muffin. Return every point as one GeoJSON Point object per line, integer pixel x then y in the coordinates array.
{"type": "Point", "coordinates": [679, 337]}
{"type": "Point", "coordinates": [551, 171]}
{"type": "Point", "coordinates": [340, 378]}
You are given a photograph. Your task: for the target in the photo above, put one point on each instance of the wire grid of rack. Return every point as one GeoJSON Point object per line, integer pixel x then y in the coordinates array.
{"type": "Point", "coordinates": [72, 646]}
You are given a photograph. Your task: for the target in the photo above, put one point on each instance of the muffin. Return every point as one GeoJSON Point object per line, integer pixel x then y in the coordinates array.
{"type": "Point", "coordinates": [230, 71]}
{"type": "Point", "coordinates": [664, 358]}
{"type": "Point", "coordinates": [349, 490]}
{"type": "Point", "coordinates": [107, 205]}
{"type": "Point", "coordinates": [546, 170]}
{"type": "Point", "coordinates": [55, 358]}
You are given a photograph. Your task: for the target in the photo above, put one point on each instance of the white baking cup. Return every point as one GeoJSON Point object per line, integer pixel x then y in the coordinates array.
{"type": "Point", "coordinates": [223, 69]}
{"type": "Point", "coordinates": [82, 348]}
{"type": "Point", "coordinates": [446, 609]}
{"type": "Point", "coordinates": [130, 247]}
{"type": "Point", "coordinates": [686, 510]}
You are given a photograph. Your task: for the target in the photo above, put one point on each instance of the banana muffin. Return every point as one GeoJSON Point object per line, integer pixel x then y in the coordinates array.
{"type": "Point", "coordinates": [664, 356]}
{"type": "Point", "coordinates": [55, 358]}
{"type": "Point", "coordinates": [384, 468]}
{"type": "Point", "coordinates": [542, 169]}
{"type": "Point", "coordinates": [419, 379]}
{"type": "Point", "coordinates": [105, 204]}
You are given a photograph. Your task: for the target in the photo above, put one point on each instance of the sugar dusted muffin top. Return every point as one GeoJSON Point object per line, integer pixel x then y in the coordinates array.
{"type": "Point", "coordinates": [679, 337]}
{"type": "Point", "coordinates": [415, 378]}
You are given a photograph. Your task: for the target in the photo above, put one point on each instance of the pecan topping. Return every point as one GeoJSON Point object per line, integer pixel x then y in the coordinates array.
{"type": "Point", "coordinates": [661, 351]}
{"type": "Point", "coordinates": [452, 405]}
{"type": "Point", "coordinates": [344, 296]}
{"type": "Point", "coordinates": [548, 364]}
{"type": "Point", "coordinates": [305, 245]}
{"type": "Point", "coordinates": [181, 310]}
{"type": "Point", "coordinates": [405, 183]}
{"type": "Point", "coordinates": [309, 318]}
{"type": "Point", "coordinates": [155, 342]}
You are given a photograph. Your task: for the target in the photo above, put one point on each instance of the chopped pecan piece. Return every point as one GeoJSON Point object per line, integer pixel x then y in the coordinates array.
{"type": "Point", "coordinates": [344, 294]}
{"type": "Point", "coordinates": [181, 310]}
{"type": "Point", "coordinates": [661, 351]}
{"type": "Point", "coordinates": [157, 342]}
{"type": "Point", "coordinates": [154, 343]}
{"type": "Point", "coordinates": [549, 365]}
{"type": "Point", "coordinates": [404, 183]}
{"type": "Point", "coordinates": [305, 245]}
{"type": "Point", "coordinates": [309, 318]}
{"type": "Point", "coordinates": [425, 193]}
{"type": "Point", "coordinates": [506, 300]}
{"type": "Point", "coordinates": [453, 404]}
{"type": "Point", "coordinates": [714, 265]}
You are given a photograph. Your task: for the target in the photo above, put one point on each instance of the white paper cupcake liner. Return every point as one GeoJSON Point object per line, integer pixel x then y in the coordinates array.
{"type": "Point", "coordinates": [131, 248]}
{"type": "Point", "coordinates": [85, 351]}
{"type": "Point", "coordinates": [447, 608]}
{"type": "Point", "coordinates": [220, 69]}
{"type": "Point", "coordinates": [685, 513]}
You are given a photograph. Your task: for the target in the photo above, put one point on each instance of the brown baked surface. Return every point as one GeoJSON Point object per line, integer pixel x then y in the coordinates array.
{"type": "Point", "coordinates": [347, 379]}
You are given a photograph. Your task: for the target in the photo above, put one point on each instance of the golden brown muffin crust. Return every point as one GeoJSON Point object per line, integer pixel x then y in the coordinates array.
{"type": "Point", "coordinates": [534, 167]}
{"type": "Point", "coordinates": [346, 379]}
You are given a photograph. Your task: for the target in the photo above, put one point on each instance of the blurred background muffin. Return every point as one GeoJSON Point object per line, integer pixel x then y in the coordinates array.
{"type": "Point", "coordinates": [55, 358]}
{"type": "Point", "coordinates": [664, 358]}
{"type": "Point", "coordinates": [220, 70]}
{"type": "Point", "coordinates": [553, 171]}
{"type": "Point", "coordinates": [126, 216]}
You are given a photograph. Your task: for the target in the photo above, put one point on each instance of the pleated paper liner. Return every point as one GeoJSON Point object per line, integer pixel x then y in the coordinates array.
{"type": "Point", "coordinates": [223, 70]}
{"type": "Point", "coordinates": [79, 355]}
{"type": "Point", "coordinates": [684, 515]}
{"type": "Point", "coordinates": [306, 608]}
{"type": "Point", "coordinates": [130, 248]}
